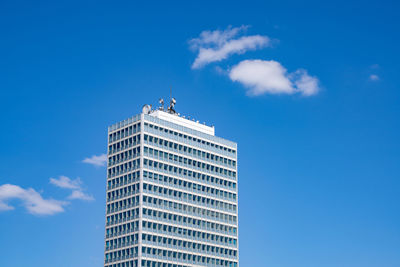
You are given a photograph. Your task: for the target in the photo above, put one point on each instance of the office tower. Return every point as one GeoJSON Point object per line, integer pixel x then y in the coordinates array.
{"type": "Point", "coordinates": [171, 193]}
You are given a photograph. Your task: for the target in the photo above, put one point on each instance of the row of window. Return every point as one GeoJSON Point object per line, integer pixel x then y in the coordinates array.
{"type": "Point", "coordinates": [124, 156]}
{"type": "Point", "coordinates": [123, 204]}
{"type": "Point", "coordinates": [123, 216]}
{"type": "Point", "coordinates": [124, 144]}
{"type": "Point", "coordinates": [132, 239]}
{"type": "Point", "coordinates": [215, 181]}
{"type": "Point", "coordinates": [128, 240]}
{"type": "Point", "coordinates": [189, 210]}
{"type": "Point", "coordinates": [123, 168]}
{"type": "Point", "coordinates": [189, 222]}
{"type": "Point", "coordinates": [189, 198]}
{"type": "Point", "coordinates": [122, 229]}
{"type": "Point", "coordinates": [132, 177]}
{"type": "Point", "coordinates": [152, 263]}
{"type": "Point", "coordinates": [132, 252]}
{"type": "Point", "coordinates": [188, 246]}
{"type": "Point", "coordinates": [193, 152]}
{"type": "Point", "coordinates": [123, 180]}
{"type": "Point", "coordinates": [124, 132]}
{"type": "Point", "coordinates": [183, 220]}
{"type": "Point", "coordinates": [197, 188]}
{"type": "Point", "coordinates": [132, 263]}
{"type": "Point", "coordinates": [189, 233]}
{"type": "Point", "coordinates": [123, 192]}
{"type": "Point", "coordinates": [186, 162]}
{"type": "Point", "coordinates": [175, 256]}
{"type": "Point", "coordinates": [189, 138]}
{"type": "Point", "coordinates": [121, 255]}
{"type": "Point", "coordinates": [180, 171]}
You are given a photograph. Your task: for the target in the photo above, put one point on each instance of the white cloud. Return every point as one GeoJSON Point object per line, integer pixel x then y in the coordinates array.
{"type": "Point", "coordinates": [374, 77]}
{"type": "Point", "coordinates": [262, 76]}
{"type": "Point", "coordinates": [218, 45]}
{"type": "Point", "coordinates": [74, 185]}
{"type": "Point", "coordinates": [305, 83]}
{"type": "Point", "coordinates": [215, 37]}
{"type": "Point", "coordinates": [31, 200]}
{"type": "Point", "coordinates": [96, 160]}
{"type": "Point", "coordinates": [77, 194]}
{"type": "Point", "coordinates": [5, 207]}
{"type": "Point", "coordinates": [65, 182]}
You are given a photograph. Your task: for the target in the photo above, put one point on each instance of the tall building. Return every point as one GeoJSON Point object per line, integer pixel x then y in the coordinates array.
{"type": "Point", "coordinates": [171, 193]}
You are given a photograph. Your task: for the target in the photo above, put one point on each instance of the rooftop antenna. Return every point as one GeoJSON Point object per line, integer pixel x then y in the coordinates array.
{"type": "Point", "coordinates": [161, 101]}
{"type": "Point", "coordinates": [171, 106]}
{"type": "Point", "coordinates": [172, 102]}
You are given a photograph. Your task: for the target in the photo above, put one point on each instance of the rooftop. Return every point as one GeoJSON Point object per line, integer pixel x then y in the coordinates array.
{"type": "Point", "coordinates": [180, 120]}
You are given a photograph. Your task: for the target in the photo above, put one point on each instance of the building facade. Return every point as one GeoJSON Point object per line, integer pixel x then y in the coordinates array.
{"type": "Point", "coordinates": [171, 194]}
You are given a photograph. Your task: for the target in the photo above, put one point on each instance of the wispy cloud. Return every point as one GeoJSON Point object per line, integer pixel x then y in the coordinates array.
{"type": "Point", "coordinates": [75, 185]}
{"type": "Point", "coordinates": [65, 182]}
{"type": "Point", "coordinates": [96, 160]}
{"type": "Point", "coordinates": [270, 77]}
{"type": "Point", "coordinates": [77, 194]}
{"type": "Point", "coordinates": [213, 46]}
{"type": "Point", "coordinates": [374, 77]}
{"type": "Point", "coordinates": [31, 200]}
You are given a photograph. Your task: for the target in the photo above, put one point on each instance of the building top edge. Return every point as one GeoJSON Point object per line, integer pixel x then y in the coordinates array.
{"type": "Point", "coordinates": [175, 118]}
{"type": "Point", "coordinates": [191, 131]}
{"type": "Point", "coordinates": [123, 123]}
{"type": "Point", "coordinates": [201, 130]}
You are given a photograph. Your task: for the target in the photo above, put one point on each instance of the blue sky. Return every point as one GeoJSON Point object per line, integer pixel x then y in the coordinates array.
{"type": "Point", "coordinates": [308, 90]}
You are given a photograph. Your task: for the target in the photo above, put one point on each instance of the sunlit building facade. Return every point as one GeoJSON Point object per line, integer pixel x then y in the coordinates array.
{"type": "Point", "coordinates": [171, 193]}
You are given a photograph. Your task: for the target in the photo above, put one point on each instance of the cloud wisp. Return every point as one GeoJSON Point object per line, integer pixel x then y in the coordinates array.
{"type": "Point", "coordinates": [374, 77]}
{"type": "Point", "coordinates": [213, 46]}
{"type": "Point", "coordinates": [31, 200]}
{"type": "Point", "coordinates": [74, 185]}
{"type": "Point", "coordinates": [98, 161]}
{"type": "Point", "coordinates": [78, 194]}
{"type": "Point", "coordinates": [270, 77]}
{"type": "Point", "coordinates": [65, 182]}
